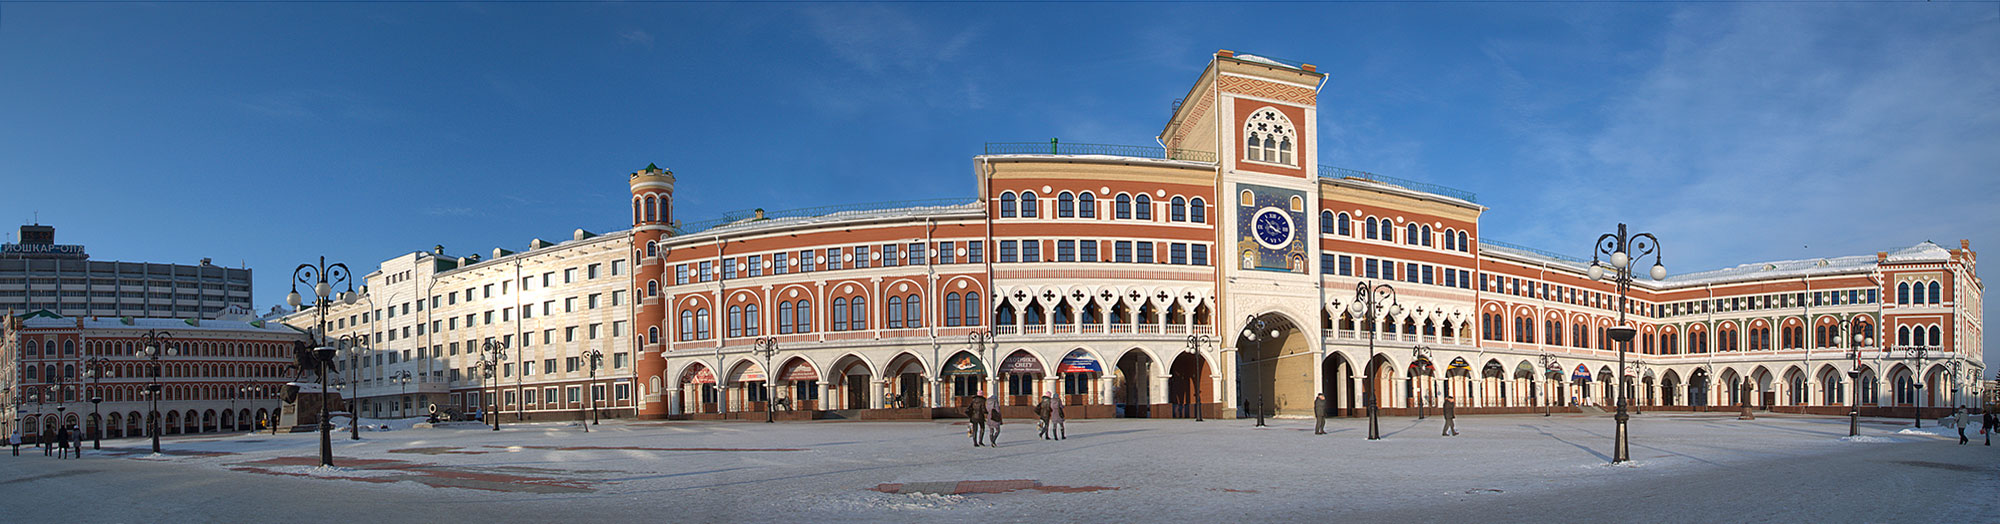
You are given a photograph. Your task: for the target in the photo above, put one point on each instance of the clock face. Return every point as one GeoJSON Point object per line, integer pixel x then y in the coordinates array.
{"type": "Point", "coordinates": [1273, 228]}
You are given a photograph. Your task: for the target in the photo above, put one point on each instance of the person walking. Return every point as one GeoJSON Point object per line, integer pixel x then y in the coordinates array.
{"type": "Point", "coordinates": [1319, 414]}
{"type": "Point", "coordinates": [1986, 422]}
{"type": "Point", "coordinates": [1961, 425]}
{"type": "Point", "coordinates": [1450, 416]}
{"type": "Point", "coordinates": [1056, 427]}
{"type": "Point", "coordinates": [975, 419]}
{"type": "Point", "coordinates": [62, 443]}
{"type": "Point", "coordinates": [993, 424]}
{"type": "Point", "coordinates": [15, 440]}
{"type": "Point", "coordinates": [1042, 413]}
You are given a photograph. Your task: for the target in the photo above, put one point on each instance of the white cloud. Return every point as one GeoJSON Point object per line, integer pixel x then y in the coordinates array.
{"type": "Point", "coordinates": [637, 37]}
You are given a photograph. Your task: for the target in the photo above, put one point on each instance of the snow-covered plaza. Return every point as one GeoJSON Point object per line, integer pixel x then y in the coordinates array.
{"type": "Point", "coordinates": [1687, 467]}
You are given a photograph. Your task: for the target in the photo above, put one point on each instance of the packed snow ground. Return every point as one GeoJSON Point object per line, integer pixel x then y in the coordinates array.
{"type": "Point", "coordinates": [1701, 467]}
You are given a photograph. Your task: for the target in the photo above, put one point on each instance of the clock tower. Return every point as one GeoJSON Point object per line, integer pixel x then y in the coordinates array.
{"type": "Point", "coordinates": [1257, 115]}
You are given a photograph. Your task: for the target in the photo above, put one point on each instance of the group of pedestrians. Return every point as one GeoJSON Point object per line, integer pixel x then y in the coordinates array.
{"type": "Point", "coordinates": [1450, 415]}
{"type": "Point", "coordinates": [1986, 422]}
{"type": "Point", "coordinates": [69, 443]}
{"type": "Point", "coordinates": [983, 419]}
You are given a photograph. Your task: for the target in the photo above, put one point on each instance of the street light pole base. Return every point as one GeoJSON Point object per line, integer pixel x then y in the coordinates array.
{"type": "Point", "coordinates": [1374, 428]}
{"type": "Point", "coordinates": [1622, 451]}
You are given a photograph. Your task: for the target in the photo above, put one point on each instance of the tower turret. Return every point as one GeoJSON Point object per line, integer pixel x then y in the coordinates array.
{"type": "Point", "coordinates": [652, 222]}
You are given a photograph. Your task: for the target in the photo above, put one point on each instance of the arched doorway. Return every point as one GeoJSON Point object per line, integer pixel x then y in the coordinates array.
{"type": "Point", "coordinates": [798, 384]}
{"type": "Point", "coordinates": [1377, 383]}
{"type": "Point", "coordinates": [966, 372]}
{"type": "Point", "coordinates": [1188, 382]}
{"type": "Point", "coordinates": [1131, 383]}
{"type": "Point", "coordinates": [1334, 376]}
{"type": "Point", "coordinates": [1669, 386]}
{"type": "Point", "coordinates": [698, 391]}
{"type": "Point", "coordinates": [850, 383]}
{"type": "Point", "coordinates": [1698, 388]}
{"type": "Point", "coordinates": [1764, 395]}
{"type": "Point", "coordinates": [1274, 375]}
{"type": "Point", "coordinates": [1021, 379]}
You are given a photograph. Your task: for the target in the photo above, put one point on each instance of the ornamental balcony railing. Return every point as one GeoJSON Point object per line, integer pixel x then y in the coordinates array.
{"type": "Point", "coordinates": [1056, 147]}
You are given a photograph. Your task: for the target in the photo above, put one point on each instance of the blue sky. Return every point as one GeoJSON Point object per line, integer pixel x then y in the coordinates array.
{"type": "Point", "coordinates": [270, 134]}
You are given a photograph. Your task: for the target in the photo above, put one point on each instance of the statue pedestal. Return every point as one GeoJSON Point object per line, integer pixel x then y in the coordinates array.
{"type": "Point", "coordinates": [301, 413]}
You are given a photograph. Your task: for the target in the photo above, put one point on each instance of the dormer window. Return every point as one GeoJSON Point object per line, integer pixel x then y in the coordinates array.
{"type": "Point", "coordinates": [1268, 137]}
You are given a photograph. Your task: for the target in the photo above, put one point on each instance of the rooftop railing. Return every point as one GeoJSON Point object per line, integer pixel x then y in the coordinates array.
{"type": "Point", "coordinates": [1341, 172]}
{"type": "Point", "coordinates": [742, 215]}
{"type": "Point", "coordinates": [1542, 252]}
{"type": "Point", "coordinates": [1055, 147]}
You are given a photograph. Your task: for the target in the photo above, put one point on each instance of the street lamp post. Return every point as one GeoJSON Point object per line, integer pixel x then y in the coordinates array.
{"type": "Point", "coordinates": [1369, 301]}
{"type": "Point", "coordinates": [768, 346]}
{"type": "Point", "coordinates": [352, 344]}
{"type": "Point", "coordinates": [491, 355]}
{"type": "Point", "coordinates": [592, 357]}
{"type": "Point", "coordinates": [96, 373]}
{"type": "Point", "coordinates": [1419, 354]}
{"type": "Point", "coordinates": [1624, 250]}
{"type": "Point", "coordinates": [1853, 327]}
{"type": "Point", "coordinates": [1195, 343]}
{"type": "Point", "coordinates": [1639, 373]}
{"type": "Point", "coordinates": [1917, 354]}
{"type": "Point", "coordinates": [247, 389]}
{"type": "Point", "coordinates": [156, 344]}
{"type": "Point", "coordinates": [1253, 329]}
{"type": "Point", "coordinates": [980, 342]}
{"type": "Point", "coordinates": [320, 279]}
{"type": "Point", "coordinates": [402, 378]}
{"type": "Point", "coordinates": [1549, 366]}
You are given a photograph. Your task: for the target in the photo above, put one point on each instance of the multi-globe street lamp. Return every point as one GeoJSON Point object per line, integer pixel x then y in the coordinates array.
{"type": "Point", "coordinates": [1370, 300]}
{"type": "Point", "coordinates": [1550, 368]}
{"type": "Point", "coordinates": [245, 389]}
{"type": "Point", "coordinates": [353, 344]}
{"type": "Point", "coordinates": [767, 347]}
{"type": "Point", "coordinates": [1624, 250]}
{"type": "Point", "coordinates": [94, 370]}
{"type": "Point", "coordinates": [491, 354]}
{"type": "Point", "coordinates": [592, 358]}
{"type": "Point", "coordinates": [155, 344]}
{"type": "Point", "coordinates": [1253, 330]}
{"type": "Point", "coordinates": [1195, 343]}
{"type": "Point", "coordinates": [1917, 354]}
{"type": "Point", "coordinates": [1639, 368]}
{"type": "Point", "coordinates": [1854, 326]}
{"type": "Point", "coordinates": [320, 279]}
{"type": "Point", "coordinates": [402, 378]}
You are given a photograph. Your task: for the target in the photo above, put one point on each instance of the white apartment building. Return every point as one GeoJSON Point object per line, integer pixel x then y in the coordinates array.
{"type": "Point", "coordinates": [428, 319]}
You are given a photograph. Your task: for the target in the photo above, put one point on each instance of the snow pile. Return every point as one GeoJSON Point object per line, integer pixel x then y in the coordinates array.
{"type": "Point", "coordinates": [921, 501]}
{"type": "Point", "coordinates": [1915, 431]}
{"type": "Point", "coordinates": [333, 472]}
{"type": "Point", "coordinates": [1868, 440]}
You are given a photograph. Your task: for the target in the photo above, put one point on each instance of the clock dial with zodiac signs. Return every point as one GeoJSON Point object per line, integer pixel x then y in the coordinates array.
{"type": "Point", "coordinates": [1272, 228]}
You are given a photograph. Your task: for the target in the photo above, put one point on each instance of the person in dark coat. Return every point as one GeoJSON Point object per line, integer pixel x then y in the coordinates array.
{"type": "Point", "coordinates": [1042, 412]}
{"type": "Point", "coordinates": [1319, 414]}
{"type": "Point", "coordinates": [1986, 423]}
{"type": "Point", "coordinates": [1450, 413]}
{"type": "Point", "coordinates": [62, 442]}
{"type": "Point", "coordinates": [975, 416]}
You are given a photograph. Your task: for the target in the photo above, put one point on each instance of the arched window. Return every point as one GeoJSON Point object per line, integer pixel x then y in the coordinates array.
{"type": "Point", "coordinates": [1426, 236]}
{"type": "Point", "coordinates": [1937, 336]}
{"type": "Point", "coordinates": [687, 325]}
{"type": "Point", "coordinates": [1123, 208]}
{"type": "Point", "coordinates": [1086, 204]}
{"type": "Point", "coordinates": [652, 213]}
{"type": "Point", "coordinates": [1007, 204]}
{"type": "Point", "coordinates": [1269, 137]}
{"type": "Point", "coordinates": [1388, 230]}
{"type": "Point", "coordinates": [972, 311]}
{"type": "Point", "coordinates": [1370, 228]}
{"type": "Point", "coordinates": [735, 321]}
{"type": "Point", "coordinates": [805, 316]}
{"type": "Point", "coordinates": [701, 323]}
{"type": "Point", "coordinates": [1198, 211]}
{"type": "Point", "coordinates": [895, 312]}
{"type": "Point", "coordinates": [1937, 293]}
{"type": "Point", "coordinates": [784, 317]}
{"type": "Point", "coordinates": [1142, 207]}
{"type": "Point", "coordinates": [913, 312]}
{"type": "Point", "coordinates": [750, 320]}
{"type": "Point", "coordinates": [840, 314]}
{"type": "Point", "coordinates": [951, 313]}
{"type": "Point", "coordinates": [69, 346]}
{"type": "Point", "coordinates": [1340, 224]}
{"type": "Point", "coordinates": [652, 249]}
{"type": "Point", "coordinates": [1411, 236]}
{"type": "Point", "coordinates": [1326, 222]}
{"type": "Point", "coordinates": [1462, 245]}
{"type": "Point", "coordinates": [857, 312]}
{"type": "Point", "coordinates": [1065, 205]}
{"type": "Point", "coordinates": [1903, 293]}
{"type": "Point", "coordinates": [652, 288]}
{"type": "Point", "coordinates": [1028, 204]}
{"type": "Point", "coordinates": [1450, 242]}
{"type": "Point", "coordinates": [635, 210]}
{"type": "Point", "coordinates": [653, 335]}
{"type": "Point", "coordinates": [1177, 210]}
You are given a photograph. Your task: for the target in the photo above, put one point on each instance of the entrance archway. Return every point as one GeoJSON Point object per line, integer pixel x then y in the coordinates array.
{"type": "Point", "coordinates": [1698, 388]}
{"type": "Point", "coordinates": [1274, 374]}
{"type": "Point", "coordinates": [1188, 385]}
{"type": "Point", "coordinates": [1132, 382]}
{"type": "Point", "coordinates": [1334, 375]}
